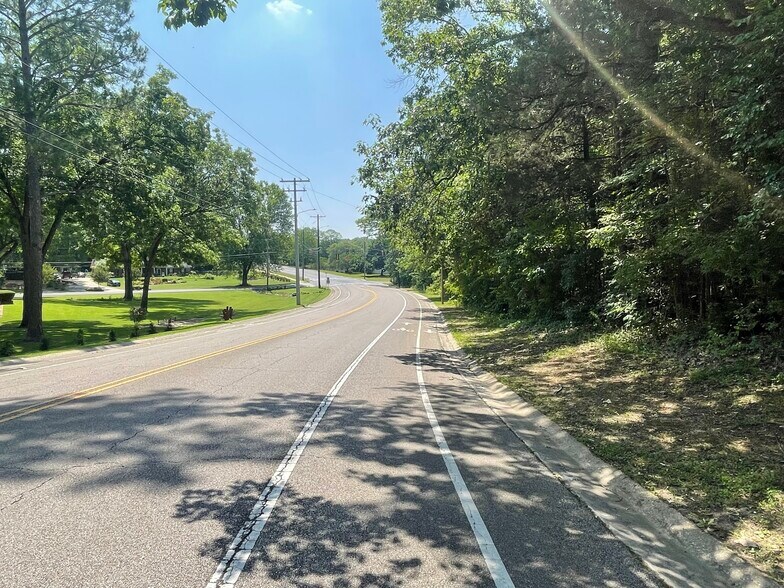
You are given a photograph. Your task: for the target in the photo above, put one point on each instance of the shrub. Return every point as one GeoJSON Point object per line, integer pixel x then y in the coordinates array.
{"type": "Point", "coordinates": [151, 329]}
{"type": "Point", "coordinates": [6, 348]}
{"type": "Point", "coordinates": [137, 315]}
{"type": "Point", "coordinates": [135, 330]}
{"type": "Point", "coordinates": [112, 336]}
{"type": "Point", "coordinates": [51, 279]}
{"type": "Point", "coordinates": [100, 271]}
{"type": "Point", "coordinates": [44, 345]}
{"type": "Point", "coordinates": [80, 337]}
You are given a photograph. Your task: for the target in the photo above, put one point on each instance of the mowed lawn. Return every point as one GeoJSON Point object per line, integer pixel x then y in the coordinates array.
{"type": "Point", "coordinates": [219, 281]}
{"type": "Point", "coordinates": [97, 315]}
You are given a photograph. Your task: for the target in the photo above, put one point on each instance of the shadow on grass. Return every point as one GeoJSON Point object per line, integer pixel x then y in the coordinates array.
{"type": "Point", "coordinates": [705, 433]}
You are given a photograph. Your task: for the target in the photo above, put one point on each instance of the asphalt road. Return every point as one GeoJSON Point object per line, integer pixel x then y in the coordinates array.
{"type": "Point", "coordinates": [319, 447]}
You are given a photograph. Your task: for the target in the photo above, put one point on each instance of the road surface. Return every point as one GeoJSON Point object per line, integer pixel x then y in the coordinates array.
{"type": "Point", "coordinates": [328, 446]}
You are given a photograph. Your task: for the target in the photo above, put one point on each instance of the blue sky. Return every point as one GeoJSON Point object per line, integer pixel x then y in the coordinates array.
{"type": "Point", "coordinates": [301, 75]}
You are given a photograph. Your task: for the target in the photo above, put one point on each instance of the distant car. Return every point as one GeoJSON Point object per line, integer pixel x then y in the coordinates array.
{"type": "Point", "coordinates": [114, 282]}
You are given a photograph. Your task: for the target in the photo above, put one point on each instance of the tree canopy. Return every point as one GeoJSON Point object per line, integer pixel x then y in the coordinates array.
{"type": "Point", "coordinates": [590, 160]}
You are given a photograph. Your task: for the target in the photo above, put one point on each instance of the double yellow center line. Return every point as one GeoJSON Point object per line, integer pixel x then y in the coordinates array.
{"type": "Point", "coordinates": [71, 396]}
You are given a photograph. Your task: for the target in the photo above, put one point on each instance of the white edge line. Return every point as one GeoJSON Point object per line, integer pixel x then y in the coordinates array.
{"type": "Point", "coordinates": [230, 567]}
{"type": "Point", "coordinates": [495, 564]}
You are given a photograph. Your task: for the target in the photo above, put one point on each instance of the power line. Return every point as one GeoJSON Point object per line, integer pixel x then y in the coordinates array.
{"type": "Point", "coordinates": [354, 206]}
{"type": "Point", "coordinates": [109, 160]}
{"type": "Point", "coordinates": [228, 116]}
{"type": "Point", "coordinates": [131, 79]}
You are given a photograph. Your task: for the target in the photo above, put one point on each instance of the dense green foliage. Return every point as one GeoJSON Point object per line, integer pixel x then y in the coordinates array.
{"type": "Point", "coordinates": [589, 160]}
{"type": "Point", "coordinates": [196, 12]}
{"type": "Point", "coordinates": [99, 163]}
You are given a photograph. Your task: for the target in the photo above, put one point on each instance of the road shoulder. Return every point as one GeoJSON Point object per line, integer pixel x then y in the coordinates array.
{"type": "Point", "coordinates": [675, 549]}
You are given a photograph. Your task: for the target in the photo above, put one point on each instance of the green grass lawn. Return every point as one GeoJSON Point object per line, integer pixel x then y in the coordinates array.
{"type": "Point", "coordinates": [699, 424]}
{"type": "Point", "coordinates": [198, 281]}
{"type": "Point", "coordinates": [97, 315]}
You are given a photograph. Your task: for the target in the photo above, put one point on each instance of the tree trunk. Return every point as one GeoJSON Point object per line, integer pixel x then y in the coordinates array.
{"type": "Point", "coordinates": [245, 271]}
{"type": "Point", "coordinates": [443, 290]}
{"type": "Point", "coordinates": [149, 263]}
{"type": "Point", "coordinates": [125, 249]}
{"type": "Point", "coordinates": [32, 216]}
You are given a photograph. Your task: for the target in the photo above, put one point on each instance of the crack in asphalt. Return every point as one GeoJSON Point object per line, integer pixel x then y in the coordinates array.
{"type": "Point", "coordinates": [91, 459]}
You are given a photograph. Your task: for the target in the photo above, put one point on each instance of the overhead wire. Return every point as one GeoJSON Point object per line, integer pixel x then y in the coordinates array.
{"type": "Point", "coordinates": [125, 174]}
{"type": "Point", "coordinates": [228, 116]}
{"type": "Point", "coordinates": [271, 173]}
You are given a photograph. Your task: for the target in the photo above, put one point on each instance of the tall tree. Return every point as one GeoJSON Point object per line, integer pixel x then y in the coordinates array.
{"type": "Point", "coordinates": [262, 225]}
{"type": "Point", "coordinates": [58, 60]}
{"type": "Point", "coordinates": [590, 158]}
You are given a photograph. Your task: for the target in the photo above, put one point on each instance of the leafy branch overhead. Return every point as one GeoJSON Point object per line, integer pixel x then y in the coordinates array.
{"type": "Point", "coordinates": [196, 12]}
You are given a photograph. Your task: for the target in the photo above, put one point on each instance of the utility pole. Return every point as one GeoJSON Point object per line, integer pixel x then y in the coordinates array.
{"type": "Point", "coordinates": [318, 247]}
{"type": "Point", "coordinates": [364, 257]}
{"type": "Point", "coordinates": [268, 269]}
{"type": "Point", "coordinates": [295, 193]}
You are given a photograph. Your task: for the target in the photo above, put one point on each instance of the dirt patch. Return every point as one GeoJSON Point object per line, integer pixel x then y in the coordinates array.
{"type": "Point", "coordinates": [702, 430]}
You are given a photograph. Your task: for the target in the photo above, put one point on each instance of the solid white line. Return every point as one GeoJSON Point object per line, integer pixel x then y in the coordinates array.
{"type": "Point", "coordinates": [495, 564]}
{"type": "Point", "coordinates": [229, 569]}
{"type": "Point", "coordinates": [189, 337]}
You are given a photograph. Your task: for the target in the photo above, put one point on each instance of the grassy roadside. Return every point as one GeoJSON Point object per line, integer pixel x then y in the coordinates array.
{"type": "Point", "coordinates": [700, 425]}
{"type": "Point", "coordinates": [200, 281]}
{"type": "Point", "coordinates": [97, 315]}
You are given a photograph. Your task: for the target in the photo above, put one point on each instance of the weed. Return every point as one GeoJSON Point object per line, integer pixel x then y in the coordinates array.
{"type": "Point", "coordinates": [6, 348]}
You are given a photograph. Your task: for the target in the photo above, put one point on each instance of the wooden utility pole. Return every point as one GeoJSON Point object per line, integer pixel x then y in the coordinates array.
{"type": "Point", "coordinates": [318, 247]}
{"type": "Point", "coordinates": [295, 192]}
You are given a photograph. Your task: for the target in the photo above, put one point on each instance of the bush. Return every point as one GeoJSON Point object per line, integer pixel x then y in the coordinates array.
{"type": "Point", "coordinates": [6, 348]}
{"type": "Point", "coordinates": [44, 345]}
{"type": "Point", "coordinates": [151, 329]}
{"type": "Point", "coordinates": [135, 330]}
{"type": "Point", "coordinates": [100, 271]}
{"type": "Point", "coordinates": [80, 337]}
{"type": "Point", "coordinates": [137, 315]}
{"type": "Point", "coordinates": [112, 336]}
{"type": "Point", "coordinates": [51, 279]}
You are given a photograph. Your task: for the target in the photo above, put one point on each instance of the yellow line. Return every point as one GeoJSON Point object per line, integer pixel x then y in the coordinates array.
{"type": "Point", "coordinates": [20, 412]}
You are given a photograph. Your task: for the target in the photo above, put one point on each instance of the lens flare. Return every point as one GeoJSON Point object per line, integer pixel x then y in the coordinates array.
{"type": "Point", "coordinates": [671, 132]}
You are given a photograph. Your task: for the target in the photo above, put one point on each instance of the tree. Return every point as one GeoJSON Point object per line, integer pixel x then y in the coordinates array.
{"type": "Point", "coordinates": [195, 12]}
{"type": "Point", "coordinates": [260, 230]}
{"type": "Point", "coordinates": [168, 178]}
{"type": "Point", "coordinates": [530, 164]}
{"type": "Point", "coordinates": [58, 59]}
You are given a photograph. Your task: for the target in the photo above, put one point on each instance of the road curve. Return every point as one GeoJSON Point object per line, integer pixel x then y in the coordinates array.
{"type": "Point", "coordinates": [329, 446]}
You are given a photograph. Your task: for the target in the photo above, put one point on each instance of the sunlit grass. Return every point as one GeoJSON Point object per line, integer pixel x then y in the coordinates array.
{"type": "Point", "coordinates": [698, 425]}
{"type": "Point", "coordinates": [97, 315]}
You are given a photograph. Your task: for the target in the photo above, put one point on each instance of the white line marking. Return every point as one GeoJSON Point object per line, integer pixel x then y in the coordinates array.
{"type": "Point", "coordinates": [495, 564]}
{"type": "Point", "coordinates": [229, 569]}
